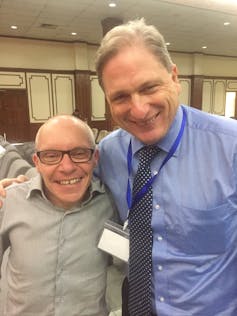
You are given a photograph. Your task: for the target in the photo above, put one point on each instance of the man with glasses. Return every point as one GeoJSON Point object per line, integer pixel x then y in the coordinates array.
{"type": "Point", "coordinates": [52, 224]}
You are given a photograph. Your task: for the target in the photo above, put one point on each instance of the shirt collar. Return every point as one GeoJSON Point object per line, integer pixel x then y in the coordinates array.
{"type": "Point", "coordinates": [165, 143]}
{"type": "Point", "coordinates": [35, 185]}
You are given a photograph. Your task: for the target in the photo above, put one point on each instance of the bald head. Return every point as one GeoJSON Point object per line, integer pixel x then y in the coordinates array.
{"type": "Point", "coordinates": [62, 125]}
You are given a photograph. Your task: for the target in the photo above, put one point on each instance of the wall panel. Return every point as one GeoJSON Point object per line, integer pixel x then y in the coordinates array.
{"type": "Point", "coordinates": [207, 95]}
{"type": "Point", "coordinates": [97, 100]}
{"type": "Point", "coordinates": [12, 80]}
{"type": "Point", "coordinates": [231, 85]}
{"type": "Point", "coordinates": [39, 96]}
{"type": "Point", "coordinates": [185, 94]}
{"type": "Point", "coordinates": [219, 97]}
{"type": "Point", "coordinates": [63, 93]}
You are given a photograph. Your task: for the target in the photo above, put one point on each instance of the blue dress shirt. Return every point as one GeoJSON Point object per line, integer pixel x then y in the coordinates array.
{"type": "Point", "coordinates": [194, 217]}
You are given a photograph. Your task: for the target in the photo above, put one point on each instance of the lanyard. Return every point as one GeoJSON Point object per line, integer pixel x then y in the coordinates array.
{"type": "Point", "coordinates": [147, 185]}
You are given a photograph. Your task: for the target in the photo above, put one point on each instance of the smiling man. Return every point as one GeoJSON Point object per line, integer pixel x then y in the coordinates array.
{"type": "Point", "coordinates": [186, 207]}
{"type": "Point", "coordinates": [65, 162]}
{"type": "Point", "coordinates": [52, 225]}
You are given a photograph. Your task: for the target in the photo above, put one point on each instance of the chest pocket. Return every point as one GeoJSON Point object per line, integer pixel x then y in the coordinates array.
{"type": "Point", "coordinates": [195, 231]}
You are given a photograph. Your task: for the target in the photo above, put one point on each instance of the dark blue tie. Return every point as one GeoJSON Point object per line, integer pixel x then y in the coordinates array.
{"type": "Point", "coordinates": [140, 257]}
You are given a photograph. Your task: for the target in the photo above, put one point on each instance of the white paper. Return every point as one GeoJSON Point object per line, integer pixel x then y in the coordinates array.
{"type": "Point", "coordinates": [115, 244]}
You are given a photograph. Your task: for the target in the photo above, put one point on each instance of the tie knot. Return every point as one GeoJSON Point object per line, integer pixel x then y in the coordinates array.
{"type": "Point", "coordinates": [147, 154]}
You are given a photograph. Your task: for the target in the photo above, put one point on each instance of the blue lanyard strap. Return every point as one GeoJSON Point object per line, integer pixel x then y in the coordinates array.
{"type": "Point", "coordinates": [147, 185]}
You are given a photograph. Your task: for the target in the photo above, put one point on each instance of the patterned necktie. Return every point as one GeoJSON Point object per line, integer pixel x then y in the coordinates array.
{"type": "Point", "coordinates": [140, 259]}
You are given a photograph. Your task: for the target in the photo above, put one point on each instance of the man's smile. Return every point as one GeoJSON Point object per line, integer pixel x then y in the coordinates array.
{"type": "Point", "coordinates": [69, 181]}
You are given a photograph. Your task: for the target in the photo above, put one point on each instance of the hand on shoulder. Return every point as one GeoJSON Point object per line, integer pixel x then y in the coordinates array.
{"type": "Point", "coordinates": [8, 181]}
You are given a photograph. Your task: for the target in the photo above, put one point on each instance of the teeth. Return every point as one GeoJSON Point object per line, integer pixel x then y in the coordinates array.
{"type": "Point", "coordinates": [72, 181]}
{"type": "Point", "coordinates": [148, 121]}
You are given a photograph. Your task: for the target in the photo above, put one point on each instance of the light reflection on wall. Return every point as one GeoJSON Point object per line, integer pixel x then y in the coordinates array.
{"type": "Point", "coordinates": [230, 104]}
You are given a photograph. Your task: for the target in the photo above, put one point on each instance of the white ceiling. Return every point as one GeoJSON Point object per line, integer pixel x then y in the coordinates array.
{"type": "Point", "coordinates": [186, 24]}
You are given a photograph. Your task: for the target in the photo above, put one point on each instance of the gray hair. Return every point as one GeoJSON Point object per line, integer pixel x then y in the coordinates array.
{"type": "Point", "coordinates": [135, 32]}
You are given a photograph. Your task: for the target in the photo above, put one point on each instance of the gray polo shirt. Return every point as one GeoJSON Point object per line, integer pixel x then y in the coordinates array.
{"type": "Point", "coordinates": [54, 266]}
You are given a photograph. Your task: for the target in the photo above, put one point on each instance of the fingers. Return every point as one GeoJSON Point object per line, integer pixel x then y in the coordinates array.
{"type": "Point", "coordinates": [6, 182]}
{"type": "Point", "coordinates": [21, 178]}
{"type": "Point", "coordinates": [2, 191]}
{"type": "Point", "coordinates": [3, 184]}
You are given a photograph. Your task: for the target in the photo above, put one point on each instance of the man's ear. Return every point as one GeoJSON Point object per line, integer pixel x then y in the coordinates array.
{"type": "Point", "coordinates": [175, 73]}
{"type": "Point", "coordinates": [35, 160]}
{"type": "Point", "coordinates": [175, 77]}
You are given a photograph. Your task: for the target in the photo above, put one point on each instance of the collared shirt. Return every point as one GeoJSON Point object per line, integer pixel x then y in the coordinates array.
{"type": "Point", "coordinates": [54, 267]}
{"type": "Point", "coordinates": [194, 217]}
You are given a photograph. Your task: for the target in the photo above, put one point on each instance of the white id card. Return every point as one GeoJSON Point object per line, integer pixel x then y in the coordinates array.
{"type": "Point", "coordinates": [115, 241]}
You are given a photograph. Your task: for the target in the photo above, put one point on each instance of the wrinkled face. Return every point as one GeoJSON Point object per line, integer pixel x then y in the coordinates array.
{"type": "Point", "coordinates": [142, 94]}
{"type": "Point", "coordinates": [66, 183]}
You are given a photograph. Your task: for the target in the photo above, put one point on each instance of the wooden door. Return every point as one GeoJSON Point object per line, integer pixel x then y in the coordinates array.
{"type": "Point", "coordinates": [14, 115]}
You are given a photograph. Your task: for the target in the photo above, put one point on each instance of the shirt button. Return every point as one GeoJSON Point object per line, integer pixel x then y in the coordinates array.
{"type": "Point", "coordinates": [57, 299]}
{"type": "Point", "coordinates": [61, 243]}
{"type": "Point", "coordinates": [59, 272]}
{"type": "Point", "coordinates": [155, 172]}
{"type": "Point", "coordinates": [160, 268]}
{"type": "Point", "coordinates": [159, 238]}
{"type": "Point", "coordinates": [157, 207]}
{"type": "Point", "coordinates": [161, 299]}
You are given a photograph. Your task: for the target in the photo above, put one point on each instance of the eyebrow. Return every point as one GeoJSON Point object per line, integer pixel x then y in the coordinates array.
{"type": "Point", "coordinates": [141, 87]}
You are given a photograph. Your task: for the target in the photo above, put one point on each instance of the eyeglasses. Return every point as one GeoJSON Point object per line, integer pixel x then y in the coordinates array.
{"type": "Point", "coordinates": [53, 157]}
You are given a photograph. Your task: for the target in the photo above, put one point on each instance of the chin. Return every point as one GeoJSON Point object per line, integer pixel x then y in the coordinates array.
{"type": "Point", "coordinates": [147, 138]}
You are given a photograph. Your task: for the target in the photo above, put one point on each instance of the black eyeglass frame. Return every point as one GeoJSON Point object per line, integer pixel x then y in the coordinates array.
{"type": "Point", "coordinates": [64, 152]}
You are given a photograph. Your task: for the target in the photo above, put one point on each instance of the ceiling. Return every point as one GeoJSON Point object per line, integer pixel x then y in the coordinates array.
{"type": "Point", "coordinates": [187, 24]}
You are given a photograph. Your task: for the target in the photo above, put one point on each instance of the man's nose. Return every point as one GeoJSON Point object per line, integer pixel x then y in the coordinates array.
{"type": "Point", "coordinates": [66, 162]}
{"type": "Point", "coordinates": [139, 106]}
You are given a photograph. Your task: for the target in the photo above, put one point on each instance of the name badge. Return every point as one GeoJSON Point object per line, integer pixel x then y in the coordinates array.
{"type": "Point", "coordinates": [115, 241]}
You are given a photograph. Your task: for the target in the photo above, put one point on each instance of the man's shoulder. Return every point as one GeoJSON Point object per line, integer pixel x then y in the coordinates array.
{"type": "Point", "coordinates": [212, 123]}
{"type": "Point", "coordinates": [114, 145]}
{"type": "Point", "coordinates": [117, 136]}
{"type": "Point", "coordinates": [16, 189]}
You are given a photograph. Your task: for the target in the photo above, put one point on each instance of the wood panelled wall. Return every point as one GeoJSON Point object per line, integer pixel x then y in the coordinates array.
{"type": "Point", "coordinates": [196, 91]}
{"type": "Point", "coordinates": [82, 94]}
{"type": "Point", "coordinates": [76, 90]}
